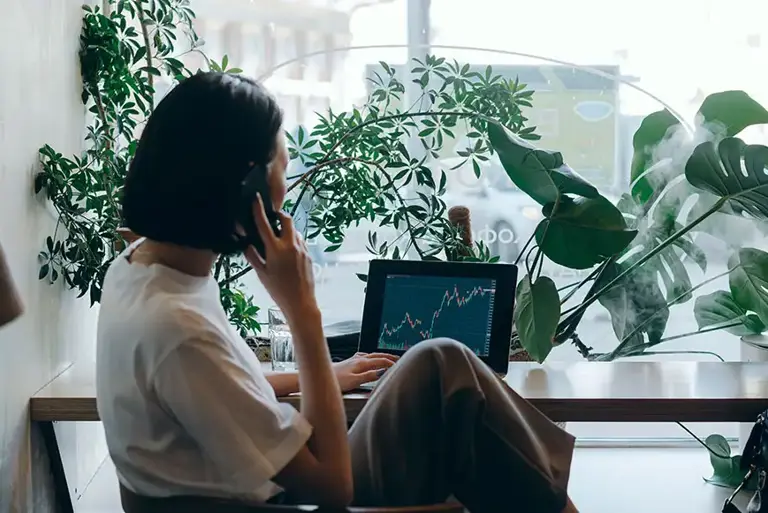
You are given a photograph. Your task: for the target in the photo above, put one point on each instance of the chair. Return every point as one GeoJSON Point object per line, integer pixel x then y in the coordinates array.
{"type": "Point", "coordinates": [133, 503]}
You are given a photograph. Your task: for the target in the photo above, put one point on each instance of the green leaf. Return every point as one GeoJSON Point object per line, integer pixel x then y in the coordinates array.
{"type": "Point", "coordinates": [541, 174]}
{"type": "Point", "coordinates": [536, 315]}
{"type": "Point", "coordinates": [719, 170]}
{"type": "Point", "coordinates": [668, 264]}
{"type": "Point", "coordinates": [726, 468]}
{"type": "Point", "coordinates": [652, 131]}
{"type": "Point", "coordinates": [633, 301]}
{"type": "Point", "coordinates": [719, 307]}
{"type": "Point", "coordinates": [583, 232]}
{"type": "Point", "coordinates": [734, 110]}
{"type": "Point", "coordinates": [748, 281]}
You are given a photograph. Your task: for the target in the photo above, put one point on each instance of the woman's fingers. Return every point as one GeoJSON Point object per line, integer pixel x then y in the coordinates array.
{"type": "Point", "coordinates": [262, 224]}
{"type": "Point", "coordinates": [361, 354]}
{"type": "Point", "coordinates": [368, 376]}
{"type": "Point", "coordinates": [388, 356]}
{"type": "Point", "coordinates": [286, 225]}
{"type": "Point", "coordinates": [367, 364]}
{"type": "Point", "coordinates": [253, 257]}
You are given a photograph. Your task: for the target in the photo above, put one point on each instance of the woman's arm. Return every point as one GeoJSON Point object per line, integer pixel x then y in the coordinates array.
{"type": "Point", "coordinates": [283, 383]}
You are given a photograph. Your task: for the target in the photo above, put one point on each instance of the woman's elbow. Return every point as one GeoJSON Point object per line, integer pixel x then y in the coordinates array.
{"type": "Point", "coordinates": [336, 494]}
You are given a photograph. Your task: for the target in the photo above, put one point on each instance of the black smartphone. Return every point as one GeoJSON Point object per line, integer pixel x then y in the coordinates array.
{"type": "Point", "coordinates": [256, 183]}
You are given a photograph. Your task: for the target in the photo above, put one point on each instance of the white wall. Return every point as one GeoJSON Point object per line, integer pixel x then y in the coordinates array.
{"type": "Point", "coordinates": [39, 103]}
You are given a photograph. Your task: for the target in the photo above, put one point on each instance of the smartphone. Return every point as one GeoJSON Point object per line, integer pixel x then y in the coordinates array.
{"type": "Point", "coordinates": [256, 183]}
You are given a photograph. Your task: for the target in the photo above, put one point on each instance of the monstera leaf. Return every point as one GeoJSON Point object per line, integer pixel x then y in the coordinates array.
{"type": "Point", "coordinates": [748, 281]}
{"type": "Point", "coordinates": [720, 308]}
{"type": "Point", "coordinates": [541, 174]}
{"type": "Point", "coordinates": [719, 170]}
{"type": "Point", "coordinates": [669, 263]}
{"type": "Point", "coordinates": [725, 114]}
{"type": "Point", "coordinates": [536, 315]}
{"type": "Point", "coordinates": [631, 303]}
{"type": "Point", "coordinates": [652, 131]}
{"type": "Point", "coordinates": [582, 232]}
{"type": "Point", "coordinates": [733, 111]}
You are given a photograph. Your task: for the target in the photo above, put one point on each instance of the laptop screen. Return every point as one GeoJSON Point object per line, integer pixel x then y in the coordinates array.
{"type": "Point", "coordinates": [419, 307]}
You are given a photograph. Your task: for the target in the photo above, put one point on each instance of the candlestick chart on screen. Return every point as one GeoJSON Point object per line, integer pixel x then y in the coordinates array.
{"type": "Point", "coordinates": [418, 308]}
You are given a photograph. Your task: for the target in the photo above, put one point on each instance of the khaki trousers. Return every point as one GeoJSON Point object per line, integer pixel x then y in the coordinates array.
{"type": "Point", "coordinates": [441, 424]}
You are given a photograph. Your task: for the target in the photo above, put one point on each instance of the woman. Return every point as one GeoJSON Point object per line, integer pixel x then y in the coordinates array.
{"type": "Point", "coordinates": [186, 407]}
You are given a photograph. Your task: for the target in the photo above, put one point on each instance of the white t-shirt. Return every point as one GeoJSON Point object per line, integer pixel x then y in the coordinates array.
{"type": "Point", "coordinates": [186, 407]}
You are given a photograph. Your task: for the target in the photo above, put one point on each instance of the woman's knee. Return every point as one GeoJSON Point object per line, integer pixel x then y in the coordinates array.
{"type": "Point", "coordinates": [435, 351]}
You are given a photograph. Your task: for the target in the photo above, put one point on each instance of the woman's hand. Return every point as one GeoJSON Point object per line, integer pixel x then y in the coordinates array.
{"type": "Point", "coordinates": [287, 271]}
{"type": "Point", "coordinates": [362, 368]}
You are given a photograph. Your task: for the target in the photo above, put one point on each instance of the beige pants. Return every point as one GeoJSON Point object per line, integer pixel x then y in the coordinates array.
{"type": "Point", "coordinates": [441, 423]}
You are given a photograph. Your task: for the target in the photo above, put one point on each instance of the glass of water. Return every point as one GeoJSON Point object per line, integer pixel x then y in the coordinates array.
{"type": "Point", "coordinates": [280, 341]}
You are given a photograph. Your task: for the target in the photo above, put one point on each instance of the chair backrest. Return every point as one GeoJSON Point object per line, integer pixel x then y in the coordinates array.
{"type": "Point", "coordinates": [133, 503]}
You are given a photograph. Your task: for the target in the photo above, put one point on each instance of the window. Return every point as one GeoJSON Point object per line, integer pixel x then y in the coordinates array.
{"type": "Point", "coordinates": [315, 66]}
{"type": "Point", "coordinates": [316, 106]}
{"type": "Point", "coordinates": [703, 52]}
{"type": "Point", "coordinates": [287, 49]}
{"type": "Point", "coordinates": [254, 49]}
{"type": "Point", "coordinates": [546, 121]}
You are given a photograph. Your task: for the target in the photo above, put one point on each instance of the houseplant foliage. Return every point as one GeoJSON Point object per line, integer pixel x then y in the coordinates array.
{"type": "Point", "coordinates": [636, 248]}
{"type": "Point", "coordinates": [125, 53]}
{"type": "Point", "coordinates": [359, 162]}
{"type": "Point", "coordinates": [385, 161]}
{"type": "Point", "coordinates": [683, 181]}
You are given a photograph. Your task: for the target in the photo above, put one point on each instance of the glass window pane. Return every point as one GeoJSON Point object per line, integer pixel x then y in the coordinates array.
{"type": "Point", "coordinates": [595, 72]}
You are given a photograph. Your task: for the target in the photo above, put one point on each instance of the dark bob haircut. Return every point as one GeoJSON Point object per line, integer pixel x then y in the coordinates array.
{"type": "Point", "coordinates": [198, 145]}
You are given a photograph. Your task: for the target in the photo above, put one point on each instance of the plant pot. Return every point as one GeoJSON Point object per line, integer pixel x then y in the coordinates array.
{"type": "Point", "coordinates": [518, 354]}
{"type": "Point", "coordinates": [753, 348]}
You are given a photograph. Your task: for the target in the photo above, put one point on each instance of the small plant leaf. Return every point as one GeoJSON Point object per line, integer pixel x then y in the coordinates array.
{"type": "Point", "coordinates": [536, 315]}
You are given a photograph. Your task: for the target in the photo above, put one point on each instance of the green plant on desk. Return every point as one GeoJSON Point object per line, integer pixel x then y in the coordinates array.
{"type": "Point", "coordinates": [636, 248]}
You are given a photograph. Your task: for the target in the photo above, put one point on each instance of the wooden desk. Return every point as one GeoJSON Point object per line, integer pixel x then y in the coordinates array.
{"type": "Point", "coordinates": [586, 392]}
{"type": "Point", "coordinates": [576, 392]}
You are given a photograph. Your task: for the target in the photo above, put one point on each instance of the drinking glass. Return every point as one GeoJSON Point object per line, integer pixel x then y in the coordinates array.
{"type": "Point", "coordinates": [280, 341]}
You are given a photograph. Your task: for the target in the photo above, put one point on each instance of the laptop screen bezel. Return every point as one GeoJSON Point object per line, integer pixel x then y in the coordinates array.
{"type": "Point", "coordinates": [504, 300]}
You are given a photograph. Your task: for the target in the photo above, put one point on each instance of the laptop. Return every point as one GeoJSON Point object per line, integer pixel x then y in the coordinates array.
{"type": "Point", "coordinates": [409, 301]}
